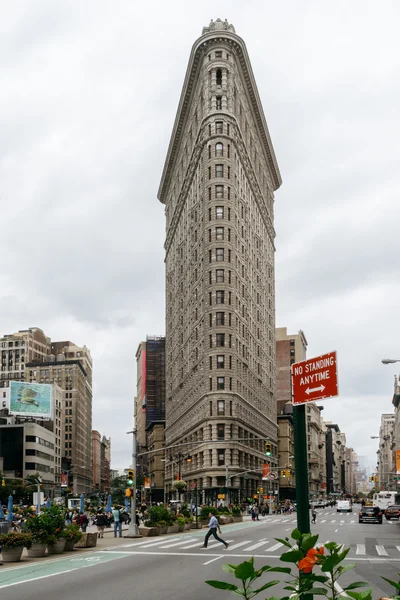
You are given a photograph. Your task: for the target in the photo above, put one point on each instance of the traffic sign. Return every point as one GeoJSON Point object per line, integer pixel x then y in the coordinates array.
{"type": "Point", "coordinates": [315, 378]}
{"type": "Point", "coordinates": [272, 476]}
{"type": "Point", "coordinates": [193, 485]}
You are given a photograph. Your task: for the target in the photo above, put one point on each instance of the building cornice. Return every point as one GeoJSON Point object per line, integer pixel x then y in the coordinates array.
{"type": "Point", "coordinates": [198, 50]}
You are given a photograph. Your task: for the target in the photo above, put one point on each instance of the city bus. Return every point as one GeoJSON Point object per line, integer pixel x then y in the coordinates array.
{"type": "Point", "coordinates": [384, 499]}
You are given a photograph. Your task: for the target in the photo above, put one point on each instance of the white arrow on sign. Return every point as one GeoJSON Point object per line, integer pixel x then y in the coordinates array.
{"type": "Point", "coordinates": [318, 389]}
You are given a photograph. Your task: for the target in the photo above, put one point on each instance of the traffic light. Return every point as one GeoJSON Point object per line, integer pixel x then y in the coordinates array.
{"type": "Point", "coordinates": [288, 473]}
{"type": "Point", "coordinates": [260, 490]}
{"type": "Point", "coordinates": [3, 482]}
{"type": "Point", "coordinates": [283, 474]}
{"type": "Point", "coordinates": [128, 492]}
{"type": "Point", "coordinates": [268, 448]}
{"type": "Point", "coordinates": [131, 476]}
{"type": "Point", "coordinates": [189, 459]}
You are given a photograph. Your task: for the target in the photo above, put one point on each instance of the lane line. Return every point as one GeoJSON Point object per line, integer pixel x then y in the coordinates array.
{"type": "Point", "coordinates": [360, 549]}
{"type": "Point", "coordinates": [381, 550]}
{"type": "Point", "coordinates": [239, 545]}
{"type": "Point", "coordinates": [256, 546]}
{"type": "Point", "coordinates": [212, 560]}
{"type": "Point", "coordinates": [273, 548]}
{"type": "Point", "coordinates": [176, 544]}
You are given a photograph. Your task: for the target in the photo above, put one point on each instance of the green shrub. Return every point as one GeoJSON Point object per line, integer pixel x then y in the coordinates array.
{"type": "Point", "coordinates": [160, 513]}
{"type": "Point", "coordinates": [15, 540]}
{"type": "Point", "coordinates": [181, 521]}
{"type": "Point", "coordinates": [236, 511]}
{"type": "Point", "coordinates": [206, 510]}
{"type": "Point", "coordinates": [224, 510]}
{"type": "Point", "coordinates": [72, 532]}
{"type": "Point", "coordinates": [185, 512]}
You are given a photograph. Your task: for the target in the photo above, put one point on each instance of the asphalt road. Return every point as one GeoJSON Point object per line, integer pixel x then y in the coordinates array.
{"type": "Point", "coordinates": [176, 567]}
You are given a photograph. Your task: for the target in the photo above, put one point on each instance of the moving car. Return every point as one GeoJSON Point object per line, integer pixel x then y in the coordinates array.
{"type": "Point", "coordinates": [370, 514]}
{"type": "Point", "coordinates": [392, 512]}
{"type": "Point", "coordinates": [344, 506]}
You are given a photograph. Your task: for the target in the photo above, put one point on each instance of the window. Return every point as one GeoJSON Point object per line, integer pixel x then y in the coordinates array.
{"type": "Point", "coordinates": [220, 431]}
{"type": "Point", "coordinates": [219, 170]}
{"type": "Point", "coordinates": [219, 149]}
{"type": "Point", "coordinates": [221, 457]}
{"type": "Point", "coordinates": [220, 318]}
{"type": "Point", "coordinates": [219, 126]}
{"type": "Point", "coordinates": [220, 297]}
{"type": "Point", "coordinates": [209, 151]}
{"type": "Point", "coordinates": [291, 352]}
{"type": "Point", "coordinates": [219, 76]}
{"type": "Point", "coordinates": [292, 342]}
{"type": "Point", "coordinates": [219, 233]}
{"type": "Point", "coordinates": [219, 191]}
{"type": "Point", "coordinates": [220, 339]}
{"type": "Point", "coordinates": [219, 212]}
{"type": "Point", "coordinates": [219, 276]}
{"type": "Point", "coordinates": [219, 102]}
{"type": "Point", "coordinates": [219, 254]}
{"type": "Point", "coordinates": [220, 407]}
{"type": "Point", "coordinates": [218, 54]}
{"type": "Point", "coordinates": [220, 361]}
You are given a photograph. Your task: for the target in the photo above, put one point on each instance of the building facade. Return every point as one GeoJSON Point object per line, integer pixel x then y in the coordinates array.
{"type": "Point", "coordinates": [385, 461]}
{"type": "Point", "coordinates": [218, 188]}
{"type": "Point", "coordinates": [96, 458]}
{"type": "Point", "coordinates": [29, 355]}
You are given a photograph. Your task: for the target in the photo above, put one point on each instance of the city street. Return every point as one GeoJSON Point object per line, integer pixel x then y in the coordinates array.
{"type": "Point", "coordinates": [176, 566]}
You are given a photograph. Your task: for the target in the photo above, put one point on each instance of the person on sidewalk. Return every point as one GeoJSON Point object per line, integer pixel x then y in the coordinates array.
{"type": "Point", "coordinates": [83, 522]}
{"type": "Point", "coordinates": [212, 530]}
{"type": "Point", "coordinates": [116, 513]}
{"type": "Point", "coordinates": [101, 522]}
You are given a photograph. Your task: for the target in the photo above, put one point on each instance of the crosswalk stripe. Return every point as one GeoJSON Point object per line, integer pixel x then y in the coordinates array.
{"type": "Point", "coordinates": [177, 543]}
{"type": "Point", "coordinates": [286, 521]}
{"type": "Point", "coordinates": [273, 548]}
{"type": "Point", "coordinates": [198, 544]}
{"type": "Point", "coordinates": [239, 544]}
{"type": "Point", "coordinates": [257, 545]}
{"type": "Point", "coordinates": [352, 521]}
{"type": "Point", "coordinates": [324, 521]}
{"type": "Point", "coordinates": [398, 548]}
{"type": "Point", "coordinates": [381, 550]}
{"type": "Point", "coordinates": [153, 543]}
{"type": "Point", "coordinates": [215, 543]}
{"type": "Point", "coordinates": [360, 549]}
{"type": "Point", "coordinates": [333, 521]}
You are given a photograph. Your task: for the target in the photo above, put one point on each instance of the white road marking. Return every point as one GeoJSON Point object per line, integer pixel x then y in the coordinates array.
{"type": "Point", "coordinates": [352, 521]}
{"type": "Point", "coordinates": [273, 548]}
{"type": "Point", "coordinates": [256, 545]}
{"type": "Point", "coordinates": [336, 530]}
{"type": "Point", "coordinates": [238, 545]}
{"type": "Point", "coordinates": [177, 543]}
{"type": "Point", "coordinates": [288, 529]}
{"type": "Point", "coordinates": [398, 548]}
{"type": "Point", "coordinates": [334, 521]}
{"type": "Point", "coordinates": [360, 549]}
{"type": "Point", "coordinates": [212, 560]}
{"type": "Point", "coordinates": [157, 543]}
{"type": "Point", "coordinates": [381, 550]}
{"type": "Point", "coordinates": [324, 521]}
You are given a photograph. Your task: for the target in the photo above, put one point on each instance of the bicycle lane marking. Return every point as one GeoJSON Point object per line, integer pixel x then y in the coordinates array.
{"type": "Point", "coordinates": [50, 568]}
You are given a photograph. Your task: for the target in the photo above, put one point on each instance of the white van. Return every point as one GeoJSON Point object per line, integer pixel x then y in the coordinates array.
{"type": "Point", "coordinates": [344, 506]}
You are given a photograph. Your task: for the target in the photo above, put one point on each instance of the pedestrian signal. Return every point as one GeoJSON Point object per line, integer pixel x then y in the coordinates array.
{"type": "Point", "coordinates": [131, 476]}
{"type": "Point", "coordinates": [268, 448]}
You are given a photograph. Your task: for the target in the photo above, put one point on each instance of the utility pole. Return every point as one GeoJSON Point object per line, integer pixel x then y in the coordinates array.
{"type": "Point", "coordinates": [133, 530]}
{"type": "Point", "coordinates": [226, 484]}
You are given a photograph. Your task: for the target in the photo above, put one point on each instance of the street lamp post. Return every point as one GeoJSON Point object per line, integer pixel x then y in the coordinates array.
{"type": "Point", "coordinates": [133, 530]}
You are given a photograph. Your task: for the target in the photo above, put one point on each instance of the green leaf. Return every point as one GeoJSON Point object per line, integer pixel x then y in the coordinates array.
{"type": "Point", "coordinates": [346, 568]}
{"type": "Point", "coordinates": [318, 578]}
{"type": "Point", "coordinates": [287, 570]}
{"type": "Point", "coordinates": [342, 555]}
{"type": "Point", "coordinates": [222, 585]}
{"type": "Point", "coordinates": [309, 543]}
{"type": "Point", "coordinates": [366, 595]}
{"type": "Point", "coordinates": [356, 584]}
{"type": "Point", "coordinates": [296, 534]}
{"type": "Point", "coordinates": [330, 563]}
{"type": "Point", "coordinates": [393, 583]}
{"type": "Point", "coordinates": [330, 545]}
{"type": "Point", "coordinates": [294, 556]}
{"type": "Point", "coordinates": [245, 570]}
{"type": "Point", "coordinates": [318, 591]}
{"type": "Point", "coordinates": [267, 585]}
{"type": "Point", "coordinates": [285, 542]}
{"type": "Point", "coordinates": [229, 568]}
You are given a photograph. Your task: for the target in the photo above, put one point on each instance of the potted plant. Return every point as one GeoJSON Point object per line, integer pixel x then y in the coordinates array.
{"type": "Point", "coordinates": [72, 535]}
{"type": "Point", "coordinates": [188, 523]}
{"type": "Point", "coordinates": [46, 529]}
{"type": "Point", "coordinates": [162, 525]}
{"type": "Point", "coordinates": [237, 514]}
{"type": "Point", "coordinates": [181, 523]}
{"type": "Point", "coordinates": [179, 485]}
{"type": "Point", "coordinates": [12, 545]}
{"type": "Point", "coordinates": [150, 529]}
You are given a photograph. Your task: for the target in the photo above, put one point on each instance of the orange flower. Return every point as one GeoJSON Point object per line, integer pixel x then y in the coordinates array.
{"type": "Point", "coordinates": [311, 558]}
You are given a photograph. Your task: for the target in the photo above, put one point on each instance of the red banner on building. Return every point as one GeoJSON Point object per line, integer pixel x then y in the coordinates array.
{"type": "Point", "coordinates": [64, 480]}
{"type": "Point", "coordinates": [266, 468]}
{"type": "Point", "coordinates": [397, 462]}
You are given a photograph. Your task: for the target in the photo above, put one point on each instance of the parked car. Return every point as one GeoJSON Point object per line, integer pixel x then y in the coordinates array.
{"type": "Point", "coordinates": [370, 514]}
{"type": "Point", "coordinates": [392, 512]}
{"type": "Point", "coordinates": [344, 506]}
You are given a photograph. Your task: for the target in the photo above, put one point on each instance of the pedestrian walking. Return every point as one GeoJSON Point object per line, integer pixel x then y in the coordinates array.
{"type": "Point", "coordinates": [101, 522]}
{"type": "Point", "coordinates": [213, 526]}
{"type": "Point", "coordinates": [313, 515]}
{"type": "Point", "coordinates": [83, 522]}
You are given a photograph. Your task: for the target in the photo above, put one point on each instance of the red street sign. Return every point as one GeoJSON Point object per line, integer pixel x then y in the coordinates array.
{"type": "Point", "coordinates": [315, 378]}
{"type": "Point", "coordinates": [193, 485]}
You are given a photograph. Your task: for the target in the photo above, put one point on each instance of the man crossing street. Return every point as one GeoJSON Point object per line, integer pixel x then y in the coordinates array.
{"type": "Point", "coordinates": [213, 525]}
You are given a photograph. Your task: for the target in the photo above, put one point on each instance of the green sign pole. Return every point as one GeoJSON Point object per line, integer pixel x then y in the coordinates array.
{"type": "Point", "coordinates": [300, 457]}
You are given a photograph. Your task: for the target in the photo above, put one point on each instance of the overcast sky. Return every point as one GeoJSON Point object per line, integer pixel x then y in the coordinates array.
{"type": "Point", "coordinates": [89, 92]}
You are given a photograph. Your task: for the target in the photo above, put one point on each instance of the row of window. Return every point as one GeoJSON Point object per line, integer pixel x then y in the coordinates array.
{"type": "Point", "coordinates": [220, 171]}
{"type": "Point", "coordinates": [38, 440]}
{"type": "Point", "coordinates": [219, 128]}
{"type": "Point", "coordinates": [219, 150]}
{"type": "Point", "coordinates": [220, 383]}
{"type": "Point", "coordinates": [219, 213]}
{"type": "Point", "coordinates": [220, 361]}
{"type": "Point", "coordinates": [32, 452]}
{"type": "Point", "coordinates": [30, 466]}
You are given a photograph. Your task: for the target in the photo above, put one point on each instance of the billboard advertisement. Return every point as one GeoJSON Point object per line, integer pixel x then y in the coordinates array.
{"type": "Point", "coordinates": [31, 400]}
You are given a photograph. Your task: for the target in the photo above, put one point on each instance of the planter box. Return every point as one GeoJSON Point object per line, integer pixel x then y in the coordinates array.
{"type": "Point", "coordinates": [173, 529]}
{"type": "Point", "coordinates": [37, 550]}
{"type": "Point", "coordinates": [12, 555]}
{"type": "Point", "coordinates": [224, 519]}
{"type": "Point", "coordinates": [88, 540]}
{"type": "Point", "coordinates": [181, 528]}
{"type": "Point", "coordinates": [69, 545]}
{"type": "Point", "coordinates": [149, 531]}
{"type": "Point", "coordinates": [238, 519]}
{"type": "Point", "coordinates": [199, 525]}
{"type": "Point", "coordinates": [187, 526]}
{"type": "Point", "coordinates": [57, 548]}
{"type": "Point", "coordinates": [164, 530]}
